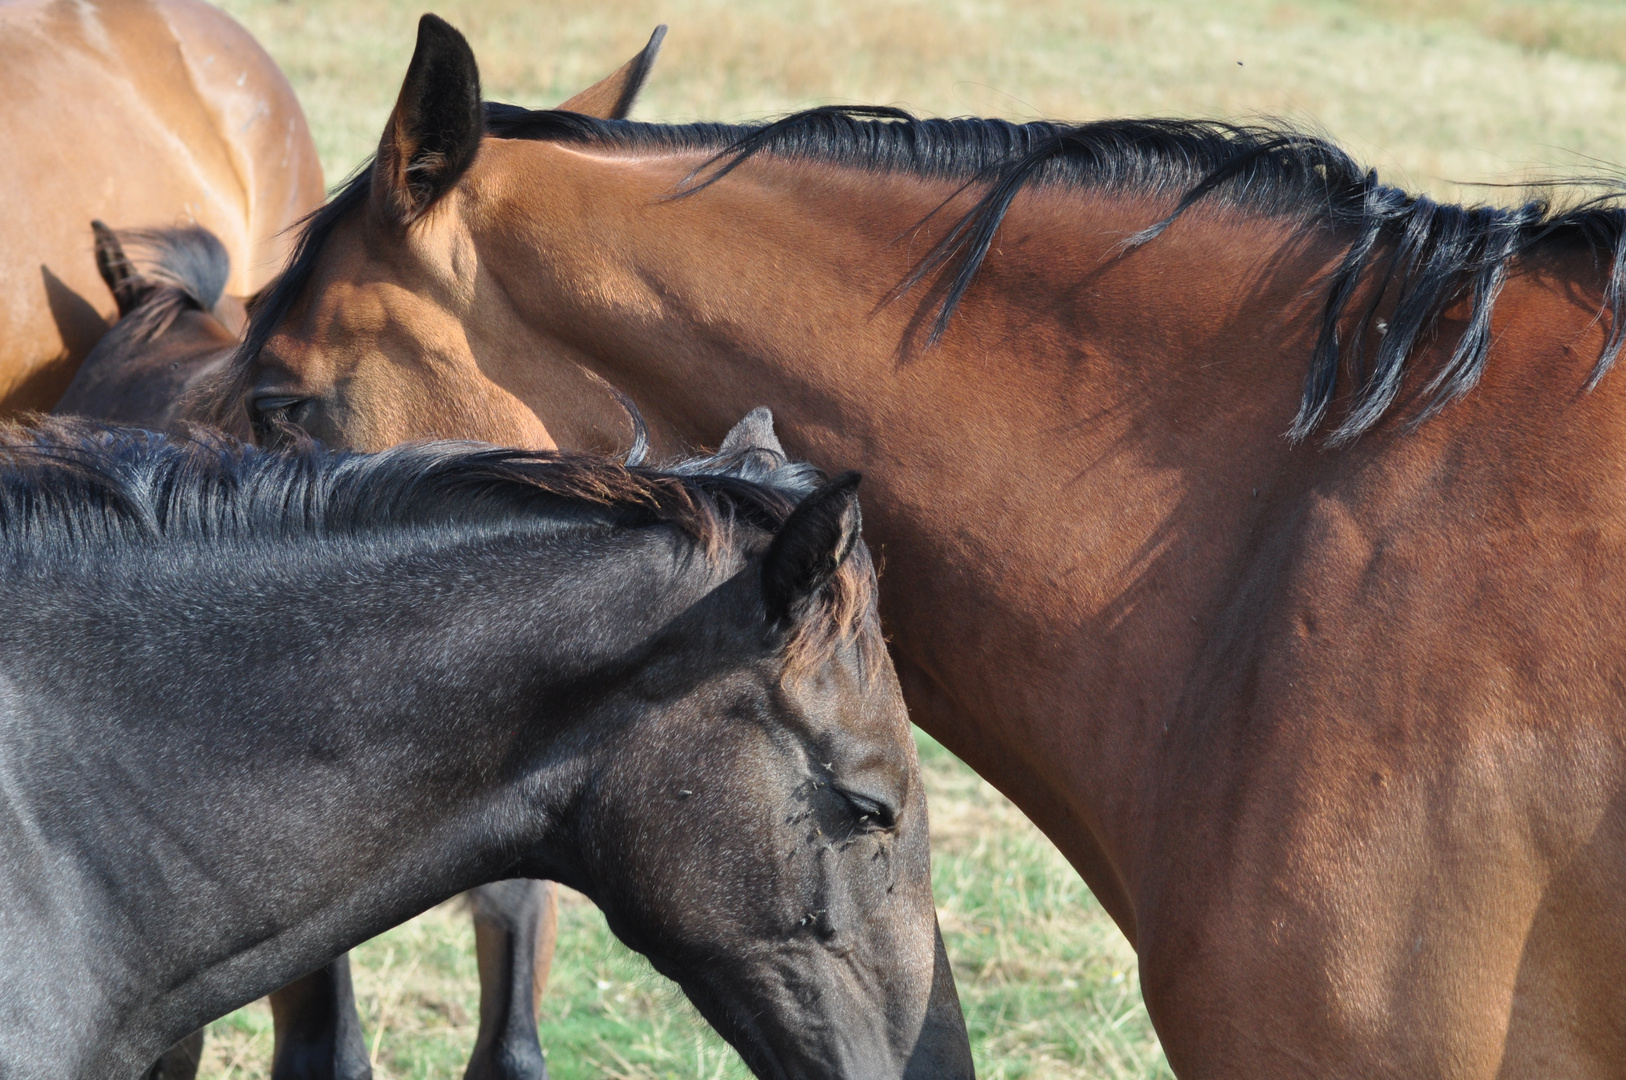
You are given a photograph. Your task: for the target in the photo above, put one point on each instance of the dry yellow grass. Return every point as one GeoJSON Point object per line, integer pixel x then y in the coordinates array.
{"type": "Point", "coordinates": [1431, 92]}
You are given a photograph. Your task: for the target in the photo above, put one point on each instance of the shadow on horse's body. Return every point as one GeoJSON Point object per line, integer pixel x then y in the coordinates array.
{"type": "Point", "coordinates": [255, 708]}
{"type": "Point", "coordinates": [1332, 724]}
{"type": "Point", "coordinates": [132, 111]}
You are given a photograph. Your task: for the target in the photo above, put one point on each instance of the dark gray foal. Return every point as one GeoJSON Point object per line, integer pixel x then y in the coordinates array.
{"type": "Point", "coordinates": [256, 707]}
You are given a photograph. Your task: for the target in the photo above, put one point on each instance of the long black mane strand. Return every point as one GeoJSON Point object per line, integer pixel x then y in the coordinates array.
{"type": "Point", "coordinates": [1421, 255]}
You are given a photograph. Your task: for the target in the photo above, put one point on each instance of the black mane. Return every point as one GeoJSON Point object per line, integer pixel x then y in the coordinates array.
{"type": "Point", "coordinates": [71, 485]}
{"type": "Point", "coordinates": [1426, 254]}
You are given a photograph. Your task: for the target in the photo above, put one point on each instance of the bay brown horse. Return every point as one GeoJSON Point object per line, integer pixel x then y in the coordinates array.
{"type": "Point", "coordinates": [138, 112]}
{"type": "Point", "coordinates": [175, 332]}
{"type": "Point", "coordinates": [1256, 527]}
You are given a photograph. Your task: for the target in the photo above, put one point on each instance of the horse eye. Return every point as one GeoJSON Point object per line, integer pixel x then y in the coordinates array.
{"type": "Point", "coordinates": [870, 812]}
{"type": "Point", "coordinates": [275, 403]}
{"type": "Point", "coordinates": [273, 411]}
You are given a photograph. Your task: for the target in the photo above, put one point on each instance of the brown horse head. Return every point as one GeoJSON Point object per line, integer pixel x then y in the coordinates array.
{"type": "Point", "coordinates": [413, 370]}
{"type": "Point", "coordinates": [176, 327]}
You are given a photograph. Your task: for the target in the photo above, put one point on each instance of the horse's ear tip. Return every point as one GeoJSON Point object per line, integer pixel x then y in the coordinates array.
{"type": "Point", "coordinates": [432, 25]}
{"type": "Point", "coordinates": [810, 547]}
{"type": "Point", "coordinates": [436, 35]}
{"type": "Point", "coordinates": [843, 486]}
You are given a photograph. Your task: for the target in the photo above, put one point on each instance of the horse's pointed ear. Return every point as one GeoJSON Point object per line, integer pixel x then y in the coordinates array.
{"type": "Point", "coordinates": [612, 97]}
{"type": "Point", "coordinates": [810, 547]}
{"type": "Point", "coordinates": [129, 288]}
{"type": "Point", "coordinates": [753, 432]}
{"type": "Point", "coordinates": [432, 135]}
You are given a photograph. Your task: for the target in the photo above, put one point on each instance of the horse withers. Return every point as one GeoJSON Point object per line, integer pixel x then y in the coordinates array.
{"type": "Point", "coordinates": [257, 707]}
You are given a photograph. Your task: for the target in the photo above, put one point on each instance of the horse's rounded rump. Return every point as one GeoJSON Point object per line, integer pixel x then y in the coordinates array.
{"type": "Point", "coordinates": [111, 91]}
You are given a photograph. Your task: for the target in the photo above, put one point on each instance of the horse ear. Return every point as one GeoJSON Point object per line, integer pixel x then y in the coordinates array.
{"type": "Point", "coordinates": [810, 547]}
{"type": "Point", "coordinates": [753, 432]}
{"type": "Point", "coordinates": [129, 288]}
{"type": "Point", "coordinates": [432, 135]}
{"type": "Point", "coordinates": [611, 98]}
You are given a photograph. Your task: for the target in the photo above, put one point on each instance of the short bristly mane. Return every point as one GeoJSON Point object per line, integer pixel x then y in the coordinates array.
{"type": "Point", "coordinates": [1423, 254]}
{"type": "Point", "coordinates": [72, 488]}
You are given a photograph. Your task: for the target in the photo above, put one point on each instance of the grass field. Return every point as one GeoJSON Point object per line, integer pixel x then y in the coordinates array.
{"type": "Point", "coordinates": [1442, 95]}
{"type": "Point", "coordinates": [1431, 92]}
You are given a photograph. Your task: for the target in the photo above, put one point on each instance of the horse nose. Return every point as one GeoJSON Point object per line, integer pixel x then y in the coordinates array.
{"type": "Point", "coordinates": [943, 1051]}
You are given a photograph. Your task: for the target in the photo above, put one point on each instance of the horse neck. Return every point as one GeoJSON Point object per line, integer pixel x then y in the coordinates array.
{"type": "Point", "coordinates": [370, 740]}
{"type": "Point", "coordinates": [1059, 489]}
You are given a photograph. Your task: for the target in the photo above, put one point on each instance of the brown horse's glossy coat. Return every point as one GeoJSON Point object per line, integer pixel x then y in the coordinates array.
{"type": "Point", "coordinates": [138, 112]}
{"type": "Point", "coordinates": [1337, 736]}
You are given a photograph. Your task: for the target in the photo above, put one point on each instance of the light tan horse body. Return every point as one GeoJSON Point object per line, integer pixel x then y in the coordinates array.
{"type": "Point", "coordinates": [138, 112]}
{"type": "Point", "coordinates": [1338, 736]}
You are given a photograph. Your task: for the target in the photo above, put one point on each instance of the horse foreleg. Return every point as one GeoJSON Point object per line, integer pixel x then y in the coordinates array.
{"type": "Point", "coordinates": [318, 1034]}
{"type": "Point", "coordinates": [515, 926]}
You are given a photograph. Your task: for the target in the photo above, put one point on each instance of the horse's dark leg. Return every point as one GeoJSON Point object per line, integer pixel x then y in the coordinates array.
{"type": "Point", "coordinates": [180, 1062]}
{"type": "Point", "coordinates": [318, 1032]}
{"type": "Point", "coordinates": [515, 924]}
